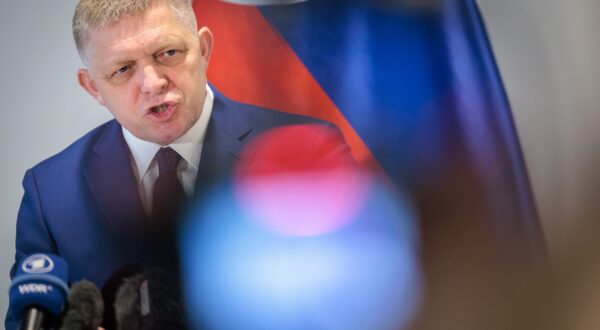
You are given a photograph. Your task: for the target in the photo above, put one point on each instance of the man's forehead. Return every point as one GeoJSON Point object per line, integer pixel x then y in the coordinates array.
{"type": "Point", "coordinates": [115, 49]}
{"type": "Point", "coordinates": [142, 39]}
{"type": "Point", "coordinates": [156, 25]}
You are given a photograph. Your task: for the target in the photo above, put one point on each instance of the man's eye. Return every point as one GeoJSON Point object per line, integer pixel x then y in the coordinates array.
{"type": "Point", "coordinates": [171, 56]}
{"type": "Point", "coordinates": [122, 71]}
{"type": "Point", "coordinates": [121, 74]}
{"type": "Point", "coordinates": [170, 53]}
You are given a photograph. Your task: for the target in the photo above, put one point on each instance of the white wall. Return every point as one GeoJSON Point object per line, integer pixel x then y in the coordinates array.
{"type": "Point", "coordinates": [548, 52]}
{"type": "Point", "coordinates": [549, 56]}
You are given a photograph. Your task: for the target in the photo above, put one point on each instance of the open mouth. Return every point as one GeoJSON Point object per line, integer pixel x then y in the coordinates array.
{"type": "Point", "coordinates": [162, 112]}
{"type": "Point", "coordinates": [160, 108]}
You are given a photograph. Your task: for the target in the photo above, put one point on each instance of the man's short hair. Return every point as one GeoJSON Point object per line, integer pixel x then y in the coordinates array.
{"type": "Point", "coordinates": [97, 14]}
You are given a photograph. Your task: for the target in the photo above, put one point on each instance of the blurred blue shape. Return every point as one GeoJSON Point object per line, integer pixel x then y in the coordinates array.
{"type": "Point", "coordinates": [239, 274]}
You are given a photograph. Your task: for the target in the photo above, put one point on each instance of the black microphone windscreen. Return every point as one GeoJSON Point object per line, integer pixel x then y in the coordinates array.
{"type": "Point", "coordinates": [151, 300]}
{"type": "Point", "coordinates": [127, 304]}
{"type": "Point", "coordinates": [85, 307]}
{"type": "Point", "coordinates": [109, 291]}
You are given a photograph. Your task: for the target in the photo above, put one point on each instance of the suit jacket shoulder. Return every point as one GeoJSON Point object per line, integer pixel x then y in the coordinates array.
{"type": "Point", "coordinates": [74, 156]}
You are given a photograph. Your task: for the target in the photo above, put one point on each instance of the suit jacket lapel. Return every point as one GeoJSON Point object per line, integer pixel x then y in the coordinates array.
{"type": "Point", "coordinates": [112, 182]}
{"type": "Point", "coordinates": [225, 137]}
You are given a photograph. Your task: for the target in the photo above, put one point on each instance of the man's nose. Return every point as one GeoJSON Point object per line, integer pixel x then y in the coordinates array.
{"type": "Point", "coordinates": [153, 82]}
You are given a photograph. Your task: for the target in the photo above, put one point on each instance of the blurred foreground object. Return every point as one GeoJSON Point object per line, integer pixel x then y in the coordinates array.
{"type": "Point", "coordinates": [301, 238]}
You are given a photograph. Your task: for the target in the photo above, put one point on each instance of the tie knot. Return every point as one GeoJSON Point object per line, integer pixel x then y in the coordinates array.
{"type": "Point", "coordinates": [167, 160]}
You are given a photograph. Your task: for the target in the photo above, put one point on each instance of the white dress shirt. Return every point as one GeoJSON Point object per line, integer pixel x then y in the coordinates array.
{"type": "Point", "coordinates": [188, 146]}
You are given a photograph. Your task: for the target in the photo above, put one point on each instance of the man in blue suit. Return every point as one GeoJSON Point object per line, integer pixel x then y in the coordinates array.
{"type": "Point", "coordinates": [93, 203]}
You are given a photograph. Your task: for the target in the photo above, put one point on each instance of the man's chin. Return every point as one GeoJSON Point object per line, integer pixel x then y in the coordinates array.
{"type": "Point", "coordinates": [162, 139]}
{"type": "Point", "coordinates": [165, 141]}
{"type": "Point", "coordinates": [165, 134]}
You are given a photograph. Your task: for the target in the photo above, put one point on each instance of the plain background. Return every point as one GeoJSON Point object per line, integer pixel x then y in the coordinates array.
{"type": "Point", "coordinates": [548, 52]}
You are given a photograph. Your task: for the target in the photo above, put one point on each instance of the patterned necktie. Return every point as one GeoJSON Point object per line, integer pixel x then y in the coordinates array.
{"type": "Point", "coordinates": [168, 193]}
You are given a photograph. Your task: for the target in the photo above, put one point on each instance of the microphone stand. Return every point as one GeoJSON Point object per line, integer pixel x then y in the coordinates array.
{"type": "Point", "coordinates": [32, 320]}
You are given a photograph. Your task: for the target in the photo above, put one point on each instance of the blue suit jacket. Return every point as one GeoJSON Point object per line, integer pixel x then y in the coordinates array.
{"type": "Point", "coordinates": [83, 204]}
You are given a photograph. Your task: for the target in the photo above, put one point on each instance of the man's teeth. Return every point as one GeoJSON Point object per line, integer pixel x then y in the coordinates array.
{"type": "Point", "coordinates": [160, 108]}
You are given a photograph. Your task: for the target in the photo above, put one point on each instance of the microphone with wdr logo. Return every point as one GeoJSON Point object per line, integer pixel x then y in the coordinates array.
{"type": "Point", "coordinates": [39, 290]}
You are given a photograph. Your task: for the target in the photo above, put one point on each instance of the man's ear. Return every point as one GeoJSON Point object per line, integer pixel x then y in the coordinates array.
{"type": "Point", "coordinates": [206, 43]}
{"type": "Point", "coordinates": [86, 81]}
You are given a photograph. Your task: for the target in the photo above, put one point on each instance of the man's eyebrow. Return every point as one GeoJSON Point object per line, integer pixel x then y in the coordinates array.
{"type": "Point", "coordinates": [163, 42]}
{"type": "Point", "coordinates": [159, 43]}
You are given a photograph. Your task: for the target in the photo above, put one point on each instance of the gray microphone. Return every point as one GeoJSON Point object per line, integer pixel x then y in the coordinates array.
{"type": "Point", "coordinates": [85, 307]}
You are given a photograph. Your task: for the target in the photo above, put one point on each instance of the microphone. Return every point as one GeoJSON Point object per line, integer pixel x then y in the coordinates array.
{"type": "Point", "coordinates": [150, 300]}
{"type": "Point", "coordinates": [109, 292]}
{"type": "Point", "coordinates": [38, 291]}
{"type": "Point", "coordinates": [85, 307]}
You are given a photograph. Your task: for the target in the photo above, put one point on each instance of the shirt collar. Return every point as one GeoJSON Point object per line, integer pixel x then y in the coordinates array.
{"type": "Point", "coordinates": [188, 146]}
